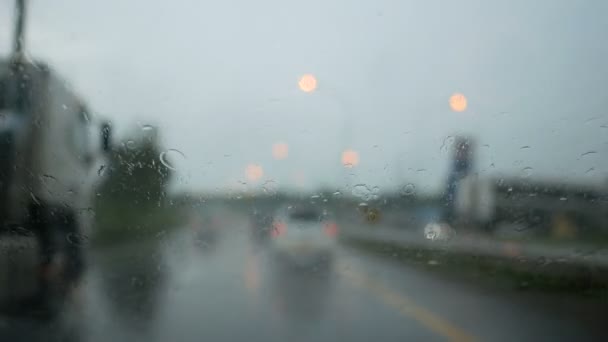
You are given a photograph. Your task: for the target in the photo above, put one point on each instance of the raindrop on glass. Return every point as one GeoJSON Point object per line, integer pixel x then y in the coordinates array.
{"type": "Point", "coordinates": [447, 144]}
{"type": "Point", "coordinates": [526, 172]}
{"type": "Point", "coordinates": [270, 187]}
{"type": "Point", "coordinates": [362, 191]}
{"type": "Point", "coordinates": [77, 239]}
{"type": "Point", "coordinates": [408, 189]}
{"type": "Point", "coordinates": [588, 153]}
{"type": "Point", "coordinates": [166, 155]}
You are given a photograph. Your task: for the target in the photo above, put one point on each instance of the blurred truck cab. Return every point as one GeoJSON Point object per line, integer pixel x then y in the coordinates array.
{"type": "Point", "coordinates": [47, 152]}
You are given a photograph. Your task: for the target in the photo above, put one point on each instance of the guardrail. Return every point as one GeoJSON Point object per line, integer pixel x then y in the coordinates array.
{"type": "Point", "coordinates": [480, 245]}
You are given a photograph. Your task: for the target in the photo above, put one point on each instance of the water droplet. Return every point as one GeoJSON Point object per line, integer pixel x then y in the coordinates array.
{"type": "Point", "coordinates": [64, 106]}
{"type": "Point", "coordinates": [593, 118]}
{"type": "Point", "coordinates": [164, 156]}
{"type": "Point", "coordinates": [447, 144]}
{"type": "Point", "coordinates": [588, 153]}
{"type": "Point", "coordinates": [49, 177]}
{"type": "Point", "coordinates": [130, 144]}
{"type": "Point", "coordinates": [77, 239]}
{"type": "Point", "coordinates": [524, 147]}
{"type": "Point", "coordinates": [270, 187]}
{"type": "Point", "coordinates": [433, 262]}
{"type": "Point", "coordinates": [337, 193]}
{"type": "Point", "coordinates": [362, 191]}
{"type": "Point", "coordinates": [591, 169]}
{"type": "Point", "coordinates": [101, 170]}
{"type": "Point", "coordinates": [526, 172]}
{"type": "Point", "coordinates": [22, 231]}
{"type": "Point", "coordinates": [314, 196]}
{"type": "Point", "coordinates": [408, 189]}
{"type": "Point", "coordinates": [147, 127]}
{"type": "Point", "coordinates": [563, 198]}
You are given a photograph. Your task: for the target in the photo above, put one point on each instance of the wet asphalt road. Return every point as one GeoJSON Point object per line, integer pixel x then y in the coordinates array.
{"type": "Point", "coordinates": [236, 290]}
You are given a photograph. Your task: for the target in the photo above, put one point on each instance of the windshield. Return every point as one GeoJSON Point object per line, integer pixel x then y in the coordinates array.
{"type": "Point", "coordinates": [450, 157]}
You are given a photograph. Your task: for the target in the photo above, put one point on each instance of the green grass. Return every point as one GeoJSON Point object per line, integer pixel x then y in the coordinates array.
{"type": "Point", "coordinates": [589, 241]}
{"type": "Point", "coordinates": [120, 222]}
{"type": "Point", "coordinates": [505, 273]}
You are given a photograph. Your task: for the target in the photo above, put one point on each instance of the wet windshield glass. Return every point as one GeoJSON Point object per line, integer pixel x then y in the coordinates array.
{"type": "Point", "coordinates": [319, 170]}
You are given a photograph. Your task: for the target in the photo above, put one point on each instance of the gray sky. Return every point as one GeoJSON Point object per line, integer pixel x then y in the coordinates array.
{"type": "Point", "coordinates": [220, 80]}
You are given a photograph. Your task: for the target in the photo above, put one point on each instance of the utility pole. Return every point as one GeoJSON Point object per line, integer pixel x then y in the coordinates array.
{"type": "Point", "coordinates": [19, 38]}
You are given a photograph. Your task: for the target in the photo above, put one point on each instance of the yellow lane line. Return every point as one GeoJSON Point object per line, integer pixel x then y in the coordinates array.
{"type": "Point", "coordinates": [407, 307]}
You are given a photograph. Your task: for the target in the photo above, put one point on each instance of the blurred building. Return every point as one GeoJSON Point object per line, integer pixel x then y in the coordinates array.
{"type": "Point", "coordinates": [460, 168]}
{"type": "Point", "coordinates": [541, 207]}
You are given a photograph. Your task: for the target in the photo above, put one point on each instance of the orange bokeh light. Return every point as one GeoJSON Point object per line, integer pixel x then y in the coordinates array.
{"type": "Point", "coordinates": [458, 102]}
{"type": "Point", "coordinates": [254, 172]}
{"type": "Point", "coordinates": [280, 150]}
{"type": "Point", "coordinates": [307, 83]}
{"type": "Point", "coordinates": [350, 158]}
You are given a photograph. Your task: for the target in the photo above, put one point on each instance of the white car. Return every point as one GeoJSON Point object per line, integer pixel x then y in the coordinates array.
{"type": "Point", "coordinates": [303, 235]}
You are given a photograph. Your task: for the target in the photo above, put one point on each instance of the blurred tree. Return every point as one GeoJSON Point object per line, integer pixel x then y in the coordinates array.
{"type": "Point", "coordinates": [136, 176]}
{"type": "Point", "coordinates": [132, 198]}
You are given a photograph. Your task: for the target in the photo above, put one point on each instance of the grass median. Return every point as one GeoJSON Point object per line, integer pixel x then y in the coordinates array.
{"type": "Point", "coordinates": [118, 223]}
{"type": "Point", "coordinates": [505, 272]}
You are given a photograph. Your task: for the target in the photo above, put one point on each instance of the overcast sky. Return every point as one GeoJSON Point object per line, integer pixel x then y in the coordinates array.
{"type": "Point", "coordinates": [220, 79]}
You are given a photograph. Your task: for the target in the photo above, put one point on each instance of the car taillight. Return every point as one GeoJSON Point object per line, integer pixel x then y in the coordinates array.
{"type": "Point", "coordinates": [331, 229]}
{"type": "Point", "coordinates": [278, 229]}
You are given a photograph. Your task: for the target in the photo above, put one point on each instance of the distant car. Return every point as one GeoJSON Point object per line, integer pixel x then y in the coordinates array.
{"type": "Point", "coordinates": [303, 235]}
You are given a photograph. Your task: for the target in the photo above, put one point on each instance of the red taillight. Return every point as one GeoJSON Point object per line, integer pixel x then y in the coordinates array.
{"type": "Point", "coordinates": [331, 229]}
{"type": "Point", "coordinates": [278, 229]}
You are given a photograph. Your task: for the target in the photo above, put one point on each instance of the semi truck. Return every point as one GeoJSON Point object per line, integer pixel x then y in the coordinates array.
{"type": "Point", "coordinates": [49, 144]}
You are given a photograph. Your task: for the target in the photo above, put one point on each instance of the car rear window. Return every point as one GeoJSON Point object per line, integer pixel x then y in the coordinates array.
{"type": "Point", "coordinates": [305, 215]}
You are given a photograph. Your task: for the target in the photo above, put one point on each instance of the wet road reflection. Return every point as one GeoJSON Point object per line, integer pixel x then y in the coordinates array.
{"type": "Point", "coordinates": [175, 289]}
{"type": "Point", "coordinates": [132, 285]}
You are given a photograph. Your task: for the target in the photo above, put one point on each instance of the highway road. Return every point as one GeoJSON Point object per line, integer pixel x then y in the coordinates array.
{"type": "Point", "coordinates": [172, 289]}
